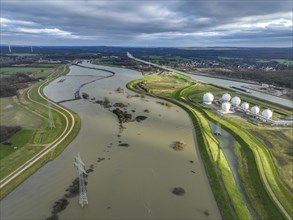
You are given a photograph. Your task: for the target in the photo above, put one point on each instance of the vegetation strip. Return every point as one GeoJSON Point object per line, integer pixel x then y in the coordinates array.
{"type": "Point", "coordinates": [178, 96]}
{"type": "Point", "coordinates": [58, 143]}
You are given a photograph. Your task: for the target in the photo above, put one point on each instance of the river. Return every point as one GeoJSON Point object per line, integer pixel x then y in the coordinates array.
{"type": "Point", "coordinates": [225, 83]}
{"type": "Point", "coordinates": [134, 182]}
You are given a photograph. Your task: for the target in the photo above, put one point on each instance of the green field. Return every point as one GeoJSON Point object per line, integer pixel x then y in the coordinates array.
{"type": "Point", "coordinates": [36, 71]}
{"type": "Point", "coordinates": [29, 142]}
{"type": "Point", "coordinates": [22, 54]}
{"type": "Point", "coordinates": [18, 141]}
{"type": "Point", "coordinates": [255, 156]}
{"type": "Point", "coordinates": [281, 61]}
{"type": "Point", "coordinates": [14, 114]}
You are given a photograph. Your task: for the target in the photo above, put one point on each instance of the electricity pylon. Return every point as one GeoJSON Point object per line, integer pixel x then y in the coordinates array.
{"type": "Point", "coordinates": [82, 190]}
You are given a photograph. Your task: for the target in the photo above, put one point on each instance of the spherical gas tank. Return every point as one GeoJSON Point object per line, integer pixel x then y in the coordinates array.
{"type": "Point", "coordinates": [235, 101]}
{"type": "Point", "coordinates": [245, 106]}
{"type": "Point", "coordinates": [226, 106]}
{"type": "Point", "coordinates": [255, 109]}
{"type": "Point", "coordinates": [226, 97]}
{"type": "Point", "coordinates": [267, 113]}
{"type": "Point", "coordinates": [208, 98]}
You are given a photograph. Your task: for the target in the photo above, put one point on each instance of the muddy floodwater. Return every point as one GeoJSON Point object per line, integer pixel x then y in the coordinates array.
{"type": "Point", "coordinates": [130, 182]}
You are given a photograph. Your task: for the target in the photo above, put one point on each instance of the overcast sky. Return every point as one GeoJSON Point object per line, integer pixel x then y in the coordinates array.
{"type": "Point", "coordinates": [195, 23]}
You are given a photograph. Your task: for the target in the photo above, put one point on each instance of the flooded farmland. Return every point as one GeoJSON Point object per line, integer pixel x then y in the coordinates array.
{"type": "Point", "coordinates": [130, 181]}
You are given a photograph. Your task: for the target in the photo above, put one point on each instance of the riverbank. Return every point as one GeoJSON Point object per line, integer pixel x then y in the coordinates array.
{"type": "Point", "coordinates": [248, 154]}
{"type": "Point", "coordinates": [51, 142]}
{"type": "Point", "coordinates": [133, 181]}
{"type": "Point", "coordinates": [223, 83]}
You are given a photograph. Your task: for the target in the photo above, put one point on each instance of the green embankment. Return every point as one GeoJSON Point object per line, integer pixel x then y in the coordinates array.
{"type": "Point", "coordinates": [247, 149]}
{"type": "Point", "coordinates": [14, 160]}
{"type": "Point", "coordinates": [218, 171]}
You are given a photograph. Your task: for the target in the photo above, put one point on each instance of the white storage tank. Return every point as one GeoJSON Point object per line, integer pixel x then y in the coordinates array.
{"type": "Point", "coordinates": [255, 109]}
{"type": "Point", "coordinates": [226, 106]}
{"type": "Point", "coordinates": [226, 97]}
{"type": "Point", "coordinates": [267, 113]}
{"type": "Point", "coordinates": [235, 101]}
{"type": "Point", "coordinates": [208, 98]}
{"type": "Point", "coordinates": [245, 106]}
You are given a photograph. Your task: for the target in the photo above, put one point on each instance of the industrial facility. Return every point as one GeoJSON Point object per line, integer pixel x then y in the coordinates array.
{"type": "Point", "coordinates": [231, 105]}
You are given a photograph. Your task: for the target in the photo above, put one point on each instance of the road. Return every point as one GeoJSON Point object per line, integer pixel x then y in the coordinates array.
{"type": "Point", "coordinates": [50, 146]}
{"type": "Point", "coordinates": [223, 83]}
{"type": "Point", "coordinates": [261, 168]}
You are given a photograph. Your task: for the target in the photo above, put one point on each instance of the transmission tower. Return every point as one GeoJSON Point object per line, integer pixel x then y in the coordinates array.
{"type": "Point", "coordinates": [82, 191]}
{"type": "Point", "coordinates": [218, 129]}
{"type": "Point", "coordinates": [50, 117]}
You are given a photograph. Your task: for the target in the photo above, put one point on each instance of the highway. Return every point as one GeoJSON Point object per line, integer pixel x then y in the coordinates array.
{"type": "Point", "coordinates": [222, 83]}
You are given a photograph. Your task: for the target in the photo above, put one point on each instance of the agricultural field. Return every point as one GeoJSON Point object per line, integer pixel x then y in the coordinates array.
{"type": "Point", "coordinates": [281, 61]}
{"type": "Point", "coordinates": [264, 152]}
{"type": "Point", "coordinates": [35, 136]}
{"type": "Point", "coordinates": [35, 71]}
{"type": "Point", "coordinates": [13, 114]}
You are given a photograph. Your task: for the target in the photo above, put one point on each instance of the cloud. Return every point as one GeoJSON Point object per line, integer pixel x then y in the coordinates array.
{"type": "Point", "coordinates": [140, 23]}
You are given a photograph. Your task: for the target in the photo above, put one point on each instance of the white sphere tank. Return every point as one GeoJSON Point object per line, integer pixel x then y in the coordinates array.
{"type": "Point", "coordinates": [255, 109]}
{"type": "Point", "coordinates": [226, 106]}
{"type": "Point", "coordinates": [245, 106]}
{"type": "Point", "coordinates": [267, 113]}
{"type": "Point", "coordinates": [226, 97]}
{"type": "Point", "coordinates": [208, 98]}
{"type": "Point", "coordinates": [235, 101]}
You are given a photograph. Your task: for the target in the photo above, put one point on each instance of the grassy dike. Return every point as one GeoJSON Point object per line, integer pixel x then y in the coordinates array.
{"type": "Point", "coordinates": [250, 170]}
{"type": "Point", "coordinates": [219, 174]}
{"type": "Point", "coordinates": [42, 112]}
{"type": "Point", "coordinates": [221, 179]}
{"type": "Point", "coordinates": [249, 150]}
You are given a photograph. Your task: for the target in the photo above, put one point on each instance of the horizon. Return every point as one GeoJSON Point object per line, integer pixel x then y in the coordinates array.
{"type": "Point", "coordinates": [177, 47]}
{"type": "Point", "coordinates": [129, 23]}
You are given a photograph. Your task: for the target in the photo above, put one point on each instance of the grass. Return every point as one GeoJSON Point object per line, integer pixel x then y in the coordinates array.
{"type": "Point", "coordinates": [19, 157]}
{"type": "Point", "coordinates": [247, 148]}
{"type": "Point", "coordinates": [281, 61]}
{"type": "Point", "coordinates": [196, 95]}
{"type": "Point", "coordinates": [14, 114]}
{"type": "Point", "coordinates": [23, 176]}
{"type": "Point", "coordinates": [216, 181]}
{"type": "Point", "coordinates": [36, 71]}
{"type": "Point", "coordinates": [18, 140]}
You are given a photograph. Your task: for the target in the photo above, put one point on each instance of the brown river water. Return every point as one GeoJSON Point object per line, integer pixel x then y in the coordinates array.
{"type": "Point", "coordinates": [133, 182]}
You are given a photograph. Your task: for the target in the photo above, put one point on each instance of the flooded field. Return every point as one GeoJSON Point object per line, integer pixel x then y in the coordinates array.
{"type": "Point", "coordinates": [130, 181]}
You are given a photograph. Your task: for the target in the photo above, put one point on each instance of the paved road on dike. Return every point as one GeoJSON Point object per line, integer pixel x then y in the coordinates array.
{"type": "Point", "coordinates": [50, 146]}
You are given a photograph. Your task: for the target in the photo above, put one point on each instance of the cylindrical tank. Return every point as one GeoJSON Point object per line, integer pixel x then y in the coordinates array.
{"type": "Point", "coordinates": [235, 101]}
{"type": "Point", "coordinates": [267, 113]}
{"type": "Point", "coordinates": [245, 106]}
{"type": "Point", "coordinates": [226, 97]}
{"type": "Point", "coordinates": [208, 98]}
{"type": "Point", "coordinates": [255, 109]}
{"type": "Point", "coordinates": [226, 106]}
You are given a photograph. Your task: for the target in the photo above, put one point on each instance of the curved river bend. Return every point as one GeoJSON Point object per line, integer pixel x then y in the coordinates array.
{"type": "Point", "coordinates": [132, 182]}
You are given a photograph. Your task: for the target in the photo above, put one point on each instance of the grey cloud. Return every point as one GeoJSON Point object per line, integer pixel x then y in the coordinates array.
{"type": "Point", "coordinates": [124, 22]}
